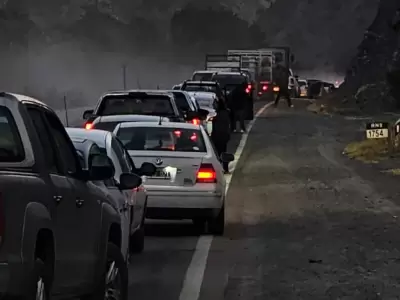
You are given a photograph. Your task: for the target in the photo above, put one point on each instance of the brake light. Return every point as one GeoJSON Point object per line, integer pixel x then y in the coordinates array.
{"type": "Point", "coordinates": [206, 174]}
{"type": "Point", "coordinates": [248, 91]}
{"type": "Point", "coordinates": [276, 89]}
{"type": "Point", "coordinates": [196, 121]}
{"type": "Point", "coordinates": [177, 133]}
{"type": "Point", "coordinates": [89, 126]}
{"type": "Point", "coordinates": [249, 86]}
{"type": "Point", "coordinates": [265, 87]}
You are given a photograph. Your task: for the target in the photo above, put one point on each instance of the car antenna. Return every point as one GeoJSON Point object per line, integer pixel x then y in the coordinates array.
{"type": "Point", "coordinates": [159, 122]}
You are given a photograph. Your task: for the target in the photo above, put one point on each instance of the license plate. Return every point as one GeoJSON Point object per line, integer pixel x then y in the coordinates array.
{"type": "Point", "coordinates": [377, 133]}
{"type": "Point", "coordinates": [164, 173]}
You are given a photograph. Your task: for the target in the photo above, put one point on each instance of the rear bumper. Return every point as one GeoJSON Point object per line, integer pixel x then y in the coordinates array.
{"type": "Point", "coordinates": [182, 205]}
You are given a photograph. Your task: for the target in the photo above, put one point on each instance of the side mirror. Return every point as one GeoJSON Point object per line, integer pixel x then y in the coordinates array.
{"type": "Point", "coordinates": [129, 181]}
{"type": "Point", "coordinates": [147, 169]}
{"type": "Point", "coordinates": [87, 114]}
{"type": "Point", "coordinates": [100, 167]}
{"type": "Point", "coordinates": [227, 157]}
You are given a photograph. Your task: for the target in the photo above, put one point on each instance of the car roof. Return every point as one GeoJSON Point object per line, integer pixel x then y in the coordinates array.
{"type": "Point", "coordinates": [203, 94]}
{"type": "Point", "coordinates": [164, 125]}
{"type": "Point", "coordinates": [201, 82]}
{"type": "Point", "coordinates": [24, 98]}
{"type": "Point", "coordinates": [230, 73]}
{"type": "Point", "coordinates": [203, 71]}
{"type": "Point", "coordinates": [127, 92]}
{"type": "Point", "coordinates": [129, 118]}
{"type": "Point", "coordinates": [95, 135]}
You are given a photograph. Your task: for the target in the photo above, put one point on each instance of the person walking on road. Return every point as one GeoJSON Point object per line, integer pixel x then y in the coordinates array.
{"type": "Point", "coordinates": [282, 80]}
{"type": "Point", "coordinates": [238, 106]}
{"type": "Point", "coordinates": [221, 132]}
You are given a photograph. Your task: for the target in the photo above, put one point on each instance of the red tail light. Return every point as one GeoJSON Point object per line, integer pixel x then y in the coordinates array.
{"type": "Point", "coordinates": [206, 174]}
{"type": "Point", "coordinates": [265, 87]}
{"type": "Point", "coordinates": [249, 86]}
{"type": "Point", "coordinates": [89, 126]}
{"type": "Point", "coordinates": [248, 91]}
{"type": "Point", "coordinates": [196, 121]}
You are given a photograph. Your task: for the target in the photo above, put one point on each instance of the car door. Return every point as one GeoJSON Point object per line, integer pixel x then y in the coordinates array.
{"type": "Point", "coordinates": [140, 194]}
{"type": "Point", "coordinates": [131, 194]}
{"type": "Point", "coordinates": [83, 235]}
{"type": "Point", "coordinates": [61, 208]}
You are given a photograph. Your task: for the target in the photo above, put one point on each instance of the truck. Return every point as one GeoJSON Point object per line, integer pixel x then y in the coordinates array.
{"type": "Point", "coordinates": [260, 63]}
{"type": "Point", "coordinates": [60, 235]}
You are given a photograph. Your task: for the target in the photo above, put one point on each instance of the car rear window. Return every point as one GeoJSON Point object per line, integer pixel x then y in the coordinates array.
{"type": "Point", "coordinates": [162, 139]}
{"type": "Point", "coordinates": [200, 88]}
{"type": "Point", "coordinates": [224, 80]}
{"type": "Point", "coordinates": [157, 105]}
{"type": "Point", "coordinates": [302, 83]}
{"type": "Point", "coordinates": [107, 126]}
{"type": "Point", "coordinates": [11, 147]}
{"type": "Point", "coordinates": [202, 76]}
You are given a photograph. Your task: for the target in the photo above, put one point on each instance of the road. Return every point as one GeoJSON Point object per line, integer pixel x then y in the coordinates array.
{"type": "Point", "coordinates": [303, 222]}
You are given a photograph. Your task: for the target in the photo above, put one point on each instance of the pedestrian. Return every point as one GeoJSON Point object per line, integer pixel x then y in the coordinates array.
{"type": "Point", "coordinates": [238, 106]}
{"type": "Point", "coordinates": [282, 74]}
{"type": "Point", "coordinates": [221, 132]}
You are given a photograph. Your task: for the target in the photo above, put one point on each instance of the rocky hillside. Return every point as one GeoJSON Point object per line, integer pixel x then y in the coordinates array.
{"type": "Point", "coordinates": [77, 47]}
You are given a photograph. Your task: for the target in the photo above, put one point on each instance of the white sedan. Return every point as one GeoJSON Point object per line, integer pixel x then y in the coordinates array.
{"type": "Point", "coordinates": [189, 182]}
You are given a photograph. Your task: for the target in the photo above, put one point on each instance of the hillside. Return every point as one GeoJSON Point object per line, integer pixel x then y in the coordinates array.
{"type": "Point", "coordinates": [78, 47]}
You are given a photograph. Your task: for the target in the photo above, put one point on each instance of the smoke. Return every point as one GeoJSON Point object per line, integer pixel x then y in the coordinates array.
{"type": "Point", "coordinates": [52, 72]}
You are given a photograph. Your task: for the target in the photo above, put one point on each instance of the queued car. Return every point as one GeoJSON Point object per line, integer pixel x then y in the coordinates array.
{"type": "Point", "coordinates": [303, 87]}
{"type": "Point", "coordinates": [135, 102]}
{"type": "Point", "coordinates": [189, 182]}
{"type": "Point", "coordinates": [209, 102]}
{"type": "Point", "coordinates": [60, 233]}
{"type": "Point", "coordinates": [108, 123]}
{"type": "Point", "coordinates": [202, 75]}
{"type": "Point", "coordinates": [126, 190]}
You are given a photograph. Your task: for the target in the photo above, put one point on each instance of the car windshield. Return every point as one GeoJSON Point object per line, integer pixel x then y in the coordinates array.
{"type": "Point", "coordinates": [162, 139]}
{"type": "Point", "coordinates": [225, 80]}
{"type": "Point", "coordinates": [11, 147]}
{"type": "Point", "coordinates": [202, 76]}
{"type": "Point", "coordinates": [200, 88]}
{"type": "Point", "coordinates": [302, 83]}
{"type": "Point", "coordinates": [131, 104]}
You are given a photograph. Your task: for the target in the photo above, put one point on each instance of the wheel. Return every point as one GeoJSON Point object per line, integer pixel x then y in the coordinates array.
{"type": "Point", "coordinates": [41, 281]}
{"type": "Point", "coordinates": [216, 225]}
{"type": "Point", "coordinates": [115, 284]}
{"type": "Point", "coordinates": [200, 225]}
{"type": "Point", "coordinates": [136, 240]}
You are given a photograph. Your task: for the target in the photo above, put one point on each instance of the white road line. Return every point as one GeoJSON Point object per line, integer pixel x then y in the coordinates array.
{"type": "Point", "coordinates": [195, 273]}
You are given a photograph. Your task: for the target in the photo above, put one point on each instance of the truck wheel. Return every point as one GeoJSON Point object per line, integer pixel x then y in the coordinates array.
{"type": "Point", "coordinates": [115, 277]}
{"type": "Point", "coordinates": [216, 225]}
{"type": "Point", "coordinates": [41, 281]}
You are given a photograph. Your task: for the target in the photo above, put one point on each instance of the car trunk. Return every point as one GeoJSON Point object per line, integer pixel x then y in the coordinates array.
{"type": "Point", "coordinates": [173, 168]}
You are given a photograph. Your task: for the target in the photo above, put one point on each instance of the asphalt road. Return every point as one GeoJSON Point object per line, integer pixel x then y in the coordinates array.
{"type": "Point", "coordinates": [302, 223]}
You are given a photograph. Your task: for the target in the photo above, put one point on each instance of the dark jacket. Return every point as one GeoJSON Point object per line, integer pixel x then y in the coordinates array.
{"type": "Point", "coordinates": [281, 76]}
{"type": "Point", "coordinates": [239, 97]}
{"type": "Point", "coordinates": [221, 127]}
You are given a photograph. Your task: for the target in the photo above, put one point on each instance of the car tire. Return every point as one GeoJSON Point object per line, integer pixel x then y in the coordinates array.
{"type": "Point", "coordinates": [200, 225]}
{"type": "Point", "coordinates": [136, 241]}
{"type": "Point", "coordinates": [113, 258]}
{"type": "Point", "coordinates": [41, 281]}
{"type": "Point", "coordinates": [216, 225]}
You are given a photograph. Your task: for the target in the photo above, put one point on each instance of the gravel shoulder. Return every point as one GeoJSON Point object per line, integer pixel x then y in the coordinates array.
{"type": "Point", "coordinates": [305, 222]}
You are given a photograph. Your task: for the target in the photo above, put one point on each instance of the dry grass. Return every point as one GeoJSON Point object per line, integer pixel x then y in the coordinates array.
{"type": "Point", "coordinates": [368, 151]}
{"type": "Point", "coordinates": [394, 172]}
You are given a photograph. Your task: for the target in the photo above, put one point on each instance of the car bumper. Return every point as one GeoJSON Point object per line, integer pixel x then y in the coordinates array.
{"type": "Point", "coordinates": [184, 204]}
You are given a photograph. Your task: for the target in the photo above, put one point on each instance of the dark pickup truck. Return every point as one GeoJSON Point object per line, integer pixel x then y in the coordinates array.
{"type": "Point", "coordinates": [60, 235]}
